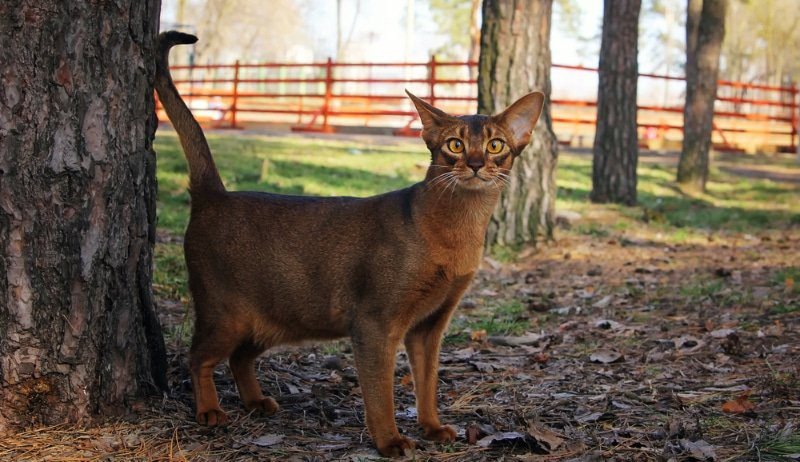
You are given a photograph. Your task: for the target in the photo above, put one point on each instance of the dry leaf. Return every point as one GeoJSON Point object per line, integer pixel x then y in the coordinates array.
{"type": "Point", "coordinates": [479, 335]}
{"type": "Point", "coordinates": [499, 439]}
{"type": "Point", "coordinates": [546, 438]}
{"type": "Point", "coordinates": [407, 382]}
{"type": "Point", "coordinates": [605, 356]}
{"type": "Point", "coordinates": [541, 358]}
{"type": "Point", "coordinates": [699, 449]}
{"type": "Point", "coordinates": [267, 440]}
{"type": "Point", "coordinates": [527, 339]}
{"type": "Point", "coordinates": [739, 405]}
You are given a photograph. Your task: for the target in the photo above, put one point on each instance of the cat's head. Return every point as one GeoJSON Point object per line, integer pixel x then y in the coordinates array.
{"type": "Point", "coordinates": [476, 152]}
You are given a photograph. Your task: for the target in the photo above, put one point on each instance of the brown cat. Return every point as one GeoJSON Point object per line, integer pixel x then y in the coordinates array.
{"type": "Point", "coordinates": [266, 269]}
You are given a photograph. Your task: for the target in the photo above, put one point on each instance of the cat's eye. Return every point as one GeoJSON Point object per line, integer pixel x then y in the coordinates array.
{"type": "Point", "coordinates": [495, 146]}
{"type": "Point", "coordinates": [455, 146]}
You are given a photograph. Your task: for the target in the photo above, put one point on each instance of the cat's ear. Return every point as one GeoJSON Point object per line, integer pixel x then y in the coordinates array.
{"type": "Point", "coordinates": [520, 118]}
{"type": "Point", "coordinates": [431, 117]}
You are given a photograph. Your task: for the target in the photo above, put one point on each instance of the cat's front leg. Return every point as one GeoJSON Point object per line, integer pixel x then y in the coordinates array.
{"type": "Point", "coordinates": [423, 343]}
{"type": "Point", "coordinates": [374, 350]}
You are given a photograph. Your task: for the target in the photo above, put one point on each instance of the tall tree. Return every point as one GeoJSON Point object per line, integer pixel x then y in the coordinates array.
{"type": "Point", "coordinates": [705, 30]}
{"type": "Point", "coordinates": [616, 141]}
{"type": "Point", "coordinates": [514, 60]}
{"type": "Point", "coordinates": [460, 22]}
{"type": "Point", "coordinates": [78, 329]}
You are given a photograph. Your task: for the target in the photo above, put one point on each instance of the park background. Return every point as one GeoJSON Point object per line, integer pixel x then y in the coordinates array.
{"type": "Point", "coordinates": [662, 330]}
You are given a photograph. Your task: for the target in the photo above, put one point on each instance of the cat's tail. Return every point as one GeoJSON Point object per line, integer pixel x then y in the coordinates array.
{"type": "Point", "coordinates": [203, 174]}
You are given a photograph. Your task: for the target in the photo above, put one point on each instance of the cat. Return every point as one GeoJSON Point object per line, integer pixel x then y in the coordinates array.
{"type": "Point", "coordinates": [268, 269]}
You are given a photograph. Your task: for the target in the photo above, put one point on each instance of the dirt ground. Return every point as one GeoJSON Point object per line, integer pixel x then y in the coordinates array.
{"type": "Point", "coordinates": [633, 350]}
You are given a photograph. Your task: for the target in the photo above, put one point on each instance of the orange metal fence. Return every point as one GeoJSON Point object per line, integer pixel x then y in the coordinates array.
{"type": "Point", "coordinates": [321, 96]}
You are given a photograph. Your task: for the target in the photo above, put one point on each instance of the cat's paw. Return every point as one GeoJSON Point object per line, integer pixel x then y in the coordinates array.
{"type": "Point", "coordinates": [441, 434]}
{"type": "Point", "coordinates": [212, 417]}
{"type": "Point", "coordinates": [263, 406]}
{"type": "Point", "coordinates": [397, 446]}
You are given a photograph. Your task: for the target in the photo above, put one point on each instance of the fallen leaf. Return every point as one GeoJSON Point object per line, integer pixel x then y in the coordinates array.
{"type": "Point", "coordinates": [722, 333]}
{"type": "Point", "coordinates": [499, 439]}
{"type": "Point", "coordinates": [603, 302]}
{"type": "Point", "coordinates": [472, 434]}
{"type": "Point", "coordinates": [483, 366]}
{"type": "Point", "coordinates": [607, 324]}
{"type": "Point", "coordinates": [589, 417]}
{"type": "Point", "coordinates": [699, 449]}
{"type": "Point", "coordinates": [739, 405]}
{"type": "Point", "coordinates": [479, 335]}
{"type": "Point", "coordinates": [546, 438]}
{"type": "Point", "coordinates": [269, 439]}
{"type": "Point", "coordinates": [407, 382]}
{"type": "Point", "coordinates": [527, 339]}
{"type": "Point", "coordinates": [541, 358]}
{"type": "Point", "coordinates": [688, 344]}
{"type": "Point", "coordinates": [605, 356]}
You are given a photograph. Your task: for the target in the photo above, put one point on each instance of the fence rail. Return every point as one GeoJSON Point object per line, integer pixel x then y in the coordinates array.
{"type": "Point", "coordinates": [321, 96]}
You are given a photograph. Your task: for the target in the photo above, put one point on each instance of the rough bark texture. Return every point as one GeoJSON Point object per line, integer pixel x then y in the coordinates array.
{"type": "Point", "coordinates": [515, 60]}
{"type": "Point", "coordinates": [78, 330]}
{"type": "Point", "coordinates": [616, 141]}
{"type": "Point", "coordinates": [705, 30]}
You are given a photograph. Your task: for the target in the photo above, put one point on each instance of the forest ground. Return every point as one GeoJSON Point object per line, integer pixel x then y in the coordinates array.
{"type": "Point", "coordinates": [665, 331]}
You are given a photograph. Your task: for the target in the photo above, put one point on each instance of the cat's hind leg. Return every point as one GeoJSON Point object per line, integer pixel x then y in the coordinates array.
{"type": "Point", "coordinates": [242, 363]}
{"type": "Point", "coordinates": [206, 353]}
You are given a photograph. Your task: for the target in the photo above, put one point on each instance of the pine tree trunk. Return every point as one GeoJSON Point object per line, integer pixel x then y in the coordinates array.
{"type": "Point", "coordinates": [515, 60]}
{"type": "Point", "coordinates": [78, 330]}
{"type": "Point", "coordinates": [705, 30]}
{"type": "Point", "coordinates": [616, 141]}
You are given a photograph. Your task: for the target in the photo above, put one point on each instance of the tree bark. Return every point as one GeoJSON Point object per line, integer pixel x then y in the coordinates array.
{"type": "Point", "coordinates": [78, 329]}
{"type": "Point", "coordinates": [616, 141]}
{"type": "Point", "coordinates": [705, 30]}
{"type": "Point", "coordinates": [515, 60]}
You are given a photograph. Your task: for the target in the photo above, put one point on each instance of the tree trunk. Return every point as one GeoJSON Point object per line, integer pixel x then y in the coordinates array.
{"type": "Point", "coordinates": [78, 329]}
{"type": "Point", "coordinates": [515, 60]}
{"type": "Point", "coordinates": [616, 140]}
{"type": "Point", "coordinates": [705, 30]}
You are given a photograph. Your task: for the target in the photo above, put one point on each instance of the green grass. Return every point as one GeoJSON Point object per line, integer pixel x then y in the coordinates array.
{"type": "Point", "coordinates": [731, 203]}
{"type": "Point", "coordinates": [286, 166]}
{"type": "Point", "coordinates": [318, 166]}
{"type": "Point", "coordinates": [779, 448]}
{"type": "Point", "coordinates": [789, 275]}
{"type": "Point", "coordinates": [501, 318]}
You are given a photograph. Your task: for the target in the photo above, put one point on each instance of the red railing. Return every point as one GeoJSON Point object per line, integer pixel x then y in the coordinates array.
{"type": "Point", "coordinates": [323, 95]}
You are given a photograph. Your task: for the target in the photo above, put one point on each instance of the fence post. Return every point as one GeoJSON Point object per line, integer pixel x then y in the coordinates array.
{"type": "Point", "coordinates": [796, 121]}
{"type": "Point", "coordinates": [432, 79]}
{"type": "Point", "coordinates": [235, 94]}
{"type": "Point", "coordinates": [328, 94]}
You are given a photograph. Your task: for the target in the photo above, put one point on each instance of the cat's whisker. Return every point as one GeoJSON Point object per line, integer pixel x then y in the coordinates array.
{"type": "Point", "coordinates": [440, 179]}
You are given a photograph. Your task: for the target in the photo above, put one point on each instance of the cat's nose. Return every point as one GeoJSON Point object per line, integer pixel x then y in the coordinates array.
{"type": "Point", "coordinates": [475, 164]}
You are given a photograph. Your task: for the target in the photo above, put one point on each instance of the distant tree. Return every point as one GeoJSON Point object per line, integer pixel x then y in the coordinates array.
{"type": "Point", "coordinates": [246, 29]}
{"type": "Point", "coordinates": [459, 21]}
{"type": "Point", "coordinates": [78, 329]}
{"type": "Point", "coordinates": [515, 60]}
{"type": "Point", "coordinates": [705, 30]}
{"type": "Point", "coordinates": [616, 142]}
{"type": "Point", "coordinates": [762, 41]}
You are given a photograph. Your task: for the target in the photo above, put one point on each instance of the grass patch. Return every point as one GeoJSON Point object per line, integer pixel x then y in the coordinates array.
{"type": "Point", "coordinates": [169, 277]}
{"type": "Point", "coordinates": [780, 448]}
{"type": "Point", "coordinates": [788, 277]}
{"type": "Point", "coordinates": [507, 318]}
{"type": "Point", "coordinates": [315, 166]}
